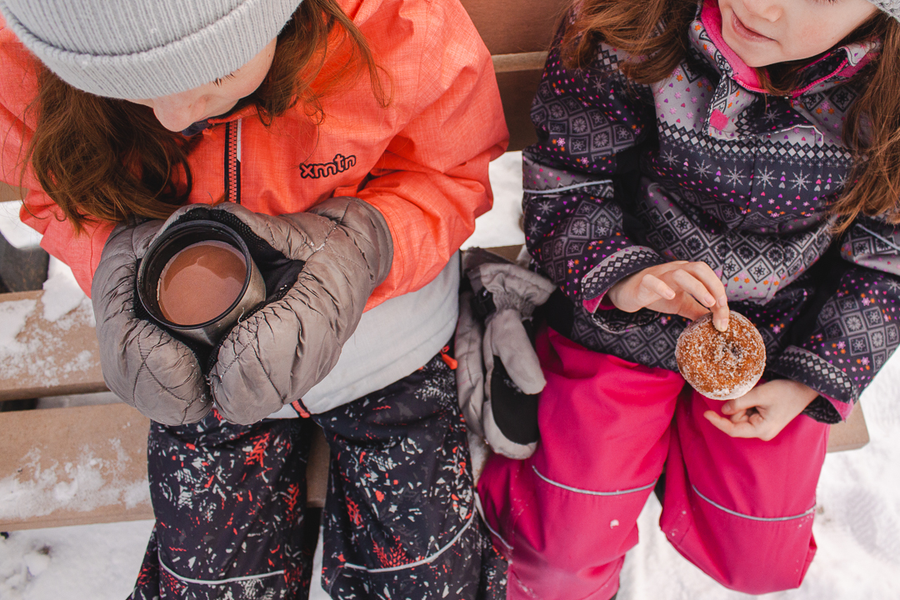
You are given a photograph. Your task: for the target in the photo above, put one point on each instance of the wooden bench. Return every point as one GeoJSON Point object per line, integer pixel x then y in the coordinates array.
{"type": "Point", "coordinates": [79, 465]}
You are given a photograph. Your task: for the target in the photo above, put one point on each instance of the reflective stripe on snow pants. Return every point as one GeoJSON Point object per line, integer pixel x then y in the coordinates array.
{"type": "Point", "coordinates": [738, 509]}
{"type": "Point", "coordinates": [399, 520]}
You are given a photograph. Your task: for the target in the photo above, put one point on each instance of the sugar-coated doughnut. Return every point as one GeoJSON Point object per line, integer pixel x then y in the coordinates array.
{"type": "Point", "coordinates": [721, 364]}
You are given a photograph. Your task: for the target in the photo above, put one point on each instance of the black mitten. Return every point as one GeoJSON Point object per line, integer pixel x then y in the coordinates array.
{"type": "Point", "coordinates": [503, 403]}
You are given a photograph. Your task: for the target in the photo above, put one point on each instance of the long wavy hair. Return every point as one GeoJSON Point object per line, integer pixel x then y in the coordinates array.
{"type": "Point", "coordinates": [111, 160]}
{"type": "Point", "coordinates": [656, 31]}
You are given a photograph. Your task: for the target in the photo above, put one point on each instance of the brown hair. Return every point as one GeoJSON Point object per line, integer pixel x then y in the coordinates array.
{"type": "Point", "coordinates": [656, 31]}
{"type": "Point", "coordinates": [109, 159]}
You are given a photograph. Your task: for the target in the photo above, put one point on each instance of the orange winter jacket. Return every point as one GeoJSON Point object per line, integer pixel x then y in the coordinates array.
{"type": "Point", "coordinates": [422, 161]}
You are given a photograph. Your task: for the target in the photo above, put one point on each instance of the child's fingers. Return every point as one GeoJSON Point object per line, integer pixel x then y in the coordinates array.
{"type": "Point", "coordinates": [687, 281]}
{"type": "Point", "coordinates": [756, 419]}
{"type": "Point", "coordinates": [654, 286]}
{"type": "Point", "coordinates": [719, 421]}
{"type": "Point", "coordinates": [735, 405]}
{"type": "Point", "coordinates": [720, 314]}
{"type": "Point", "coordinates": [693, 287]}
{"type": "Point", "coordinates": [716, 289]}
{"type": "Point", "coordinates": [697, 301]}
{"type": "Point", "coordinates": [705, 274]}
{"type": "Point", "coordinates": [744, 428]}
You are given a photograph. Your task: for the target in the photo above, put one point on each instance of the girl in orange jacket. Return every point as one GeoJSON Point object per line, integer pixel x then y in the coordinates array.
{"type": "Point", "coordinates": [348, 142]}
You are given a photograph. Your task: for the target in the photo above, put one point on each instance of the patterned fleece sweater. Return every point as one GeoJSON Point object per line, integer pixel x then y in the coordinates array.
{"type": "Point", "coordinates": [704, 166]}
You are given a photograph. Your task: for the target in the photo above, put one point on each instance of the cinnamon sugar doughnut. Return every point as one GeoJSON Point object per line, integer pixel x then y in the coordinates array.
{"type": "Point", "coordinates": [721, 365]}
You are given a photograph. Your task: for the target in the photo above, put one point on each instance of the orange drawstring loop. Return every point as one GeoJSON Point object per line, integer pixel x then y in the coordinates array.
{"type": "Point", "coordinates": [448, 360]}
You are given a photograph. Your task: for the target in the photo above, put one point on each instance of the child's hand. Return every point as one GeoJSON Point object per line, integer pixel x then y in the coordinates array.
{"type": "Point", "coordinates": [763, 411]}
{"type": "Point", "coordinates": [689, 289]}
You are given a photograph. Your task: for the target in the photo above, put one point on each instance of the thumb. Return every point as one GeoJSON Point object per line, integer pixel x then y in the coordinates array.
{"type": "Point", "coordinates": [745, 402]}
{"type": "Point", "coordinates": [730, 408]}
{"type": "Point", "coordinates": [506, 338]}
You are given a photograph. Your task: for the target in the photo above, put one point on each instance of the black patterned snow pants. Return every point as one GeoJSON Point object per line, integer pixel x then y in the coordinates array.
{"type": "Point", "coordinates": [399, 519]}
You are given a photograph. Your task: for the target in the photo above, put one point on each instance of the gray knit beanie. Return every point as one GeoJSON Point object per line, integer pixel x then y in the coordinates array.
{"type": "Point", "coordinates": [139, 49]}
{"type": "Point", "coordinates": [891, 7]}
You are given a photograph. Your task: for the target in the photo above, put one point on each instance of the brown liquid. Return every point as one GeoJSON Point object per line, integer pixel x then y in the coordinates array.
{"type": "Point", "coordinates": [201, 282]}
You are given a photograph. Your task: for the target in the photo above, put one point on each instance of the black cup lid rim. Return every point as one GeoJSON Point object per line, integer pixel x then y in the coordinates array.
{"type": "Point", "coordinates": [165, 236]}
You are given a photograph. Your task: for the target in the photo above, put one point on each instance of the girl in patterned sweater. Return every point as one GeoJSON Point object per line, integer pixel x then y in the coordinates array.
{"type": "Point", "coordinates": [696, 157]}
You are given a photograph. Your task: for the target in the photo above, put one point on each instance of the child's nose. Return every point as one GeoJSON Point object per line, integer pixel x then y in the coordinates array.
{"type": "Point", "coordinates": [179, 111]}
{"type": "Point", "coordinates": [770, 10]}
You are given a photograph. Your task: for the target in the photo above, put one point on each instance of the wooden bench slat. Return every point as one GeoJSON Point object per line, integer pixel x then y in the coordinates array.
{"type": "Point", "coordinates": [9, 193]}
{"type": "Point", "coordinates": [76, 466]}
{"type": "Point", "coordinates": [517, 106]}
{"type": "Point", "coordinates": [48, 358]}
{"type": "Point", "coordinates": [518, 76]}
{"type": "Point", "coordinates": [513, 26]}
{"type": "Point", "coordinates": [526, 61]}
{"type": "Point", "coordinates": [88, 464]}
{"type": "Point", "coordinates": [70, 466]}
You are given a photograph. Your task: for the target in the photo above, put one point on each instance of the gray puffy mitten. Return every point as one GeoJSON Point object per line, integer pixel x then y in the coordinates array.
{"type": "Point", "coordinates": [142, 363]}
{"type": "Point", "coordinates": [468, 343]}
{"type": "Point", "coordinates": [502, 401]}
{"type": "Point", "coordinates": [279, 352]}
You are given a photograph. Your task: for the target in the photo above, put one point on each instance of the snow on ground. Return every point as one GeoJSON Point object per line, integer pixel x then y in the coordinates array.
{"type": "Point", "coordinates": [857, 525]}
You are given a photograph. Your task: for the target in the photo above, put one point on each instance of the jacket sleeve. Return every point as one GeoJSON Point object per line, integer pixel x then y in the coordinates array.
{"type": "Point", "coordinates": [17, 89]}
{"type": "Point", "coordinates": [80, 251]}
{"type": "Point", "coordinates": [432, 180]}
{"type": "Point", "coordinates": [855, 331]}
{"type": "Point", "coordinates": [579, 176]}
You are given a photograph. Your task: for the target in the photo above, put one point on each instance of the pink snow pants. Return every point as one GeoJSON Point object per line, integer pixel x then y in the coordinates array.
{"type": "Point", "coordinates": [741, 510]}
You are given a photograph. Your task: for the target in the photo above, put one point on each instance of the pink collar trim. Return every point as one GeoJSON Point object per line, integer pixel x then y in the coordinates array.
{"type": "Point", "coordinates": [711, 17]}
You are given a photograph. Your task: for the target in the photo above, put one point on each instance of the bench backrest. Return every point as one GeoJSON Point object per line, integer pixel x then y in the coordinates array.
{"type": "Point", "coordinates": [518, 33]}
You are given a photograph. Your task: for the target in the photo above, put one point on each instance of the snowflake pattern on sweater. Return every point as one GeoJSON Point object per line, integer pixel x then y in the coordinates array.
{"type": "Point", "coordinates": [703, 166]}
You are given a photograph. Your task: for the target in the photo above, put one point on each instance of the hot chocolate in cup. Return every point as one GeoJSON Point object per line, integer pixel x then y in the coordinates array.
{"type": "Point", "coordinates": [198, 278]}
